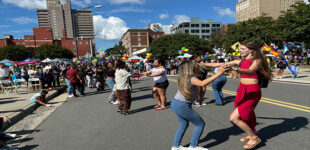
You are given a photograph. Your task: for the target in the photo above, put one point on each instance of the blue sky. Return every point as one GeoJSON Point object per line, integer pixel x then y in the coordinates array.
{"type": "Point", "coordinates": [18, 17]}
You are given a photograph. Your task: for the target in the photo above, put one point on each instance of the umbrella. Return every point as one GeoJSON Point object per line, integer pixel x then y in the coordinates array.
{"type": "Point", "coordinates": [185, 56]}
{"type": "Point", "coordinates": [135, 58]}
{"type": "Point", "coordinates": [46, 60]}
{"type": "Point", "coordinates": [27, 61]}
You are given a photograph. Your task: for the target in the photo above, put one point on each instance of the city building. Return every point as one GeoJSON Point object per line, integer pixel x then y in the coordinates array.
{"type": "Point", "coordinates": [196, 27]}
{"type": "Point", "coordinates": [78, 23]}
{"type": "Point", "coordinates": [247, 9]}
{"type": "Point", "coordinates": [42, 36]}
{"type": "Point", "coordinates": [157, 27]}
{"type": "Point", "coordinates": [138, 39]}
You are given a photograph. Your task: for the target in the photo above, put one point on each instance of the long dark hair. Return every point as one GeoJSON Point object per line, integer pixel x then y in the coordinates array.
{"type": "Point", "coordinates": [120, 64]}
{"type": "Point", "coordinates": [264, 70]}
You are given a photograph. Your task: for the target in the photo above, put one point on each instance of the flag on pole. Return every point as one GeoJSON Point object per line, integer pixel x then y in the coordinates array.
{"type": "Point", "coordinates": [288, 67]}
{"type": "Point", "coordinates": [285, 47]}
{"type": "Point", "coordinates": [274, 52]}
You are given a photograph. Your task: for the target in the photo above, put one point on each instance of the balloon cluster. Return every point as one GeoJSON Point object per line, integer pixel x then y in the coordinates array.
{"type": "Point", "coordinates": [95, 60]}
{"type": "Point", "coordinates": [77, 61]}
{"type": "Point", "coordinates": [125, 57]}
{"type": "Point", "coordinates": [149, 55]}
{"type": "Point", "coordinates": [183, 51]}
{"type": "Point", "coordinates": [108, 58]}
{"type": "Point", "coordinates": [208, 55]}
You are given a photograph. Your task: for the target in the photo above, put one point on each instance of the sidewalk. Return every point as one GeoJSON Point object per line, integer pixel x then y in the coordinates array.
{"type": "Point", "coordinates": [303, 76]}
{"type": "Point", "coordinates": [16, 106]}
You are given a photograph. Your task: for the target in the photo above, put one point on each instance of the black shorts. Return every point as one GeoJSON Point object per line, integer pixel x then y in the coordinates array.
{"type": "Point", "coordinates": [162, 85]}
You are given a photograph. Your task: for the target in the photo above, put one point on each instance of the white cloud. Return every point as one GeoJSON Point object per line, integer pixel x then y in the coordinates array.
{"type": "Point", "coordinates": [307, 1]}
{"type": "Point", "coordinates": [164, 16]}
{"type": "Point", "coordinates": [23, 20]}
{"type": "Point", "coordinates": [118, 2]}
{"type": "Point", "coordinates": [28, 4]}
{"type": "Point", "coordinates": [225, 12]}
{"type": "Point", "coordinates": [111, 28]}
{"type": "Point", "coordinates": [181, 18]}
{"type": "Point", "coordinates": [158, 27]}
{"type": "Point", "coordinates": [129, 9]}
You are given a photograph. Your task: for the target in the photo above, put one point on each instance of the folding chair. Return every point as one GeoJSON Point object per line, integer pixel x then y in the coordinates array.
{"type": "Point", "coordinates": [6, 85]}
{"type": "Point", "coordinates": [36, 82]}
{"type": "Point", "coordinates": [20, 83]}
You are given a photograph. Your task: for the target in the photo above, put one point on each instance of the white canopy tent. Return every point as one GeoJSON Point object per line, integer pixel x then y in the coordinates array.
{"type": "Point", "coordinates": [141, 51]}
{"type": "Point", "coordinates": [46, 60]}
{"type": "Point", "coordinates": [185, 56]}
{"type": "Point", "coordinates": [135, 58]}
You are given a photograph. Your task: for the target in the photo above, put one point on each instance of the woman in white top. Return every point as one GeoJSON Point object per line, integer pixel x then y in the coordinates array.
{"type": "Point", "coordinates": [161, 83]}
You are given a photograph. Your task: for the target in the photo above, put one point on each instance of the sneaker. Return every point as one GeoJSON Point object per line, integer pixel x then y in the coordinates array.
{"type": "Point", "coordinates": [197, 104]}
{"type": "Point", "coordinates": [48, 105]}
{"type": "Point", "coordinates": [125, 113]}
{"type": "Point", "coordinates": [118, 110]}
{"type": "Point", "coordinates": [70, 96]}
{"type": "Point", "coordinates": [178, 148]}
{"type": "Point", "coordinates": [10, 135]}
{"type": "Point", "coordinates": [204, 103]}
{"type": "Point", "coordinates": [197, 148]}
{"type": "Point", "coordinates": [116, 103]}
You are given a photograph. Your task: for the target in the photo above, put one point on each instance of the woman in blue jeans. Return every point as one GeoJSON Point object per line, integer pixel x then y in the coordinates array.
{"type": "Point", "coordinates": [111, 81]}
{"type": "Point", "coordinates": [218, 84]}
{"type": "Point", "coordinates": [181, 105]}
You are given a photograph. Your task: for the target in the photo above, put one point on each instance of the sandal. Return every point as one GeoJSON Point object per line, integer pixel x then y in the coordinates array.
{"type": "Point", "coordinates": [156, 106]}
{"type": "Point", "coordinates": [251, 146]}
{"type": "Point", "coordinates": [161, 108]}
{"type": "Point", "coordinates": [245, 139]}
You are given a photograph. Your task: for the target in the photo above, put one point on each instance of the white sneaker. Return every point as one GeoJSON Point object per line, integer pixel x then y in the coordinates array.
{"type": "Point", "coordinates": [179, 148]}
{"type": "Point", "coordinates": [48, 105]}
{"type": "Point", "coordinates": [197, 148]}
{"type": "Point", "coordinates": [116, 103]}
{"type": "Point", "coordinates": [204, 103]}
{"type": "Point", "coordinates": [197, 104]}
{"type": "Point", "coordinates": [10, 135]}
{"type": "Point", "coordinates": [70, 96]}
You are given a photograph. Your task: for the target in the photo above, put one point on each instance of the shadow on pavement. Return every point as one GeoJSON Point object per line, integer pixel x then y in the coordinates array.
{"type": "Point", "coordinates": [18, 110]}
{"type": "Point", "coordinates": [7, 98]}
{"type": "Point", "coordinates": [143, 89]}
{"type": "Point", "coordinates": [287, 125]}
{"type": "Point", "coordinates": [11, 101]}
{"type": "Point", "coordinates": [142, 97]}
{"type": "Point", "coordinates": [220, 136]}
{"type": "Point", "coordinates": [226, 100]}
{"type": "Point", "coordinates": [28, 147]}
{"type": "Point", "coordinates": [151, 107]}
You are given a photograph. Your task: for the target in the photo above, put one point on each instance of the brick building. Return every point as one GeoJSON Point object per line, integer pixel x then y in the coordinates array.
{"type": "Point", "coordinates": [43, 36]}
{"type": "Point", "coordinates": [137, 39]}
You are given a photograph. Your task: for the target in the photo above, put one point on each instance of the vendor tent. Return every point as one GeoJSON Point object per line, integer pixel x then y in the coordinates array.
{"type": "Point", "coordinates": [135, 58]}
{"type": "Point", "coordinates": [185, 56]}
{"type": "Point", "coordinates": [8, 62]}
{"type": "Point", "coordinates": [46, 60]}
{"type": "Point", "coordinates": [27, 61]}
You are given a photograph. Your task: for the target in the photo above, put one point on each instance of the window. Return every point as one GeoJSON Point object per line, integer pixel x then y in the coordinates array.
{"type": "Point", "coordinates": [157, 36]}
{"type": "Point", "coordinates": [139, 39]}
{"type": "Point", "coordinates": [153, 36]}
{"type": "Point", "coordinates": [73, 43]}
{"type": "Point", "coordinates": [23, 43]}
{"type": "Point", "coordinates": [138, 34]}
{"type": "Point", "coordinates": [17, 43]}
{"type": "Point", "coordinates": [134, 49]}
{"type": "Point", "coordinates": [194, 31]}
{"type": "Point", "coordinates": [80, 43]}
{"type": "Point", "coordinates": [86, 42]}
{"type": "Point", "coordinates": [216, 25]}
{"type": "Point", "coordinates": [186, 31]}
{"type": "Point", "coordinates": [139, 43]}
{"type": "Point", "coordinates": [194, 25]}
{"type": "Point", "coordinates": [73, 48]}
{"type": "Point", "coordinates": [205, 31]}
{"type": "Point", "coordinates": [86, 47]}
{"type": "Point", "coordinates": [205, 25]}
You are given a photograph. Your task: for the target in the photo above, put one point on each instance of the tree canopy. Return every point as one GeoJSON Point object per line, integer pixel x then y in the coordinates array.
{"type": "Point", "coordinates": [169, 45]}
{"type": "Point", "coordinates": [52, 51]}
{"type": "Point", "coordinates": [15, 53]}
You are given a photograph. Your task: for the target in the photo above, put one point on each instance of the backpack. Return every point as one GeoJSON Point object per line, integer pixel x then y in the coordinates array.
{"type": "Point", "coordinates": [263, 83]}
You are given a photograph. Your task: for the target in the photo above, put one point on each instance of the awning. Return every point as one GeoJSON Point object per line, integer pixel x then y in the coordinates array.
{"type": "Point", "coordinates": [142, 51]}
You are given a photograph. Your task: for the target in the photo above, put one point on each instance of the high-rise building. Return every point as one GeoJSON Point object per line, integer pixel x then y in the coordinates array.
{"type": "Point", "coordinates": [247, 9]}
{"type": "Point", "coordinates": [196, 27]}
{"type": "Point", "coordinates": [78, 23]}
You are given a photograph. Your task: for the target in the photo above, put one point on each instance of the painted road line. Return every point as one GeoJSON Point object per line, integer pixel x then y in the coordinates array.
{"type": "Point", "coordinates": [268, 100]}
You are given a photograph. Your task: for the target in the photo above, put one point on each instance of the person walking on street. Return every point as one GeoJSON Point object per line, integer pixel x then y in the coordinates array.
{"type": "Point", "coordinates": [281, 65]}
{"type": "Point", "coordinates": [218, 84]}
{"type": "Point", "coordinates": [64, 75]}
{"type": "Point", "coordinates": [181, 105]}
{"type": "Point", "coordinates": [110, 73]}
{"type": "Point", "coordinates": [75, 80]}
{"type": "Point", "coordinates": [295, 62]}
{"type": "Point", "coordinates": [203, 73]}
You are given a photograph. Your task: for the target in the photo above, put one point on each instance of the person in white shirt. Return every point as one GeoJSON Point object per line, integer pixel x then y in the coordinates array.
{"type": "Point", "coordinates": [122, 87]}
{"type": "Point", "coordinates": [4, 72]}
{"type": "Point", "coordinates": [161, 83]}
{"type": "Point", "coordinates": [40, 98]}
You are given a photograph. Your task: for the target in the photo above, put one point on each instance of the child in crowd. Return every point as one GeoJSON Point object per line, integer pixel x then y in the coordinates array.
{"type": "Point", "coordinates": [40, 98]}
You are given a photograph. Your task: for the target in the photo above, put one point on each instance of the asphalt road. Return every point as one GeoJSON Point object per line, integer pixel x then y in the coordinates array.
{"type": "Point", "coordinates": [91, 123]}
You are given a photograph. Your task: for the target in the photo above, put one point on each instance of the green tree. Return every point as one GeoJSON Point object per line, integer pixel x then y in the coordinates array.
{"type": "Point", "coordinates": [118, 48]}
{"type": "Point", "coordinates": [52, 51]}
{"type": "Point", "coordinates": [217, 39]}
{"type": "Point", "coordinates": [169, 45]}
{"type": "Point", "coordinates": [15, 53]}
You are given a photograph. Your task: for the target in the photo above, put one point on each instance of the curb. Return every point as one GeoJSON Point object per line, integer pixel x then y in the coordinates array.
{"type": "Point", "coordinates": [15, 117]}
{"type": "Point", "coordinates": [285, 81]}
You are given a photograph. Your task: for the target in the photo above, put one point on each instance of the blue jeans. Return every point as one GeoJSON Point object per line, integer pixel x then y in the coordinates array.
{"type": "Point", "coordinates": [217, 86]}
{"type": "Point", "coordinates": [110, 82]}
{"type": "Point", "coordinates": [186, 114]}
{"type": "Point", "coordinates": [68, 86]}
{"type": "Point", "coordinates": [295, 69]}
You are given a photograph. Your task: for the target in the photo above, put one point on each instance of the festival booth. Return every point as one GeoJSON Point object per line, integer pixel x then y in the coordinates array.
{"type": "Point", "coordinates": [186, 55]}
{"type": "Point", "coordinates": [46, 60]}
{"type": "Point", "coordinates": [27, 61]}
{"type": "Point", "coordinates": [8, 62]}
{"type": "Point", "coordinates": [135, 59]}
{"type": "Point", "coordinates": [142, 51]}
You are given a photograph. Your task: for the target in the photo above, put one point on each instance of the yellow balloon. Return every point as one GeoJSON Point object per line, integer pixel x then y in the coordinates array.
{"type": "Point", "coordinates": [124, 58]}
{"type": "Point", "coordinates": [186, 50]}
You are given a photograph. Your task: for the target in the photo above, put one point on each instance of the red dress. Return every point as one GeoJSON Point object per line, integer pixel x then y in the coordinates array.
{"type": "Point", "coordinates": [248, 96]}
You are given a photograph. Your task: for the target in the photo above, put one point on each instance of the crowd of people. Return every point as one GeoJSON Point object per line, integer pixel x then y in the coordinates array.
{"type": "Point", "coordinates": [251, 67]}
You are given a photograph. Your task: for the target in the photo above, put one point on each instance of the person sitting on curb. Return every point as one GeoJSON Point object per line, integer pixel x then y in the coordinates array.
{"type": "Point", "coordinates": [5, 136]}
{"type": "Point", "coordinates": [39, 98]}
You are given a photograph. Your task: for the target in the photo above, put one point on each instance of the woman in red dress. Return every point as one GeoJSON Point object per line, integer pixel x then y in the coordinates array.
{"type": "Point", "coordinates": [253, 68]}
